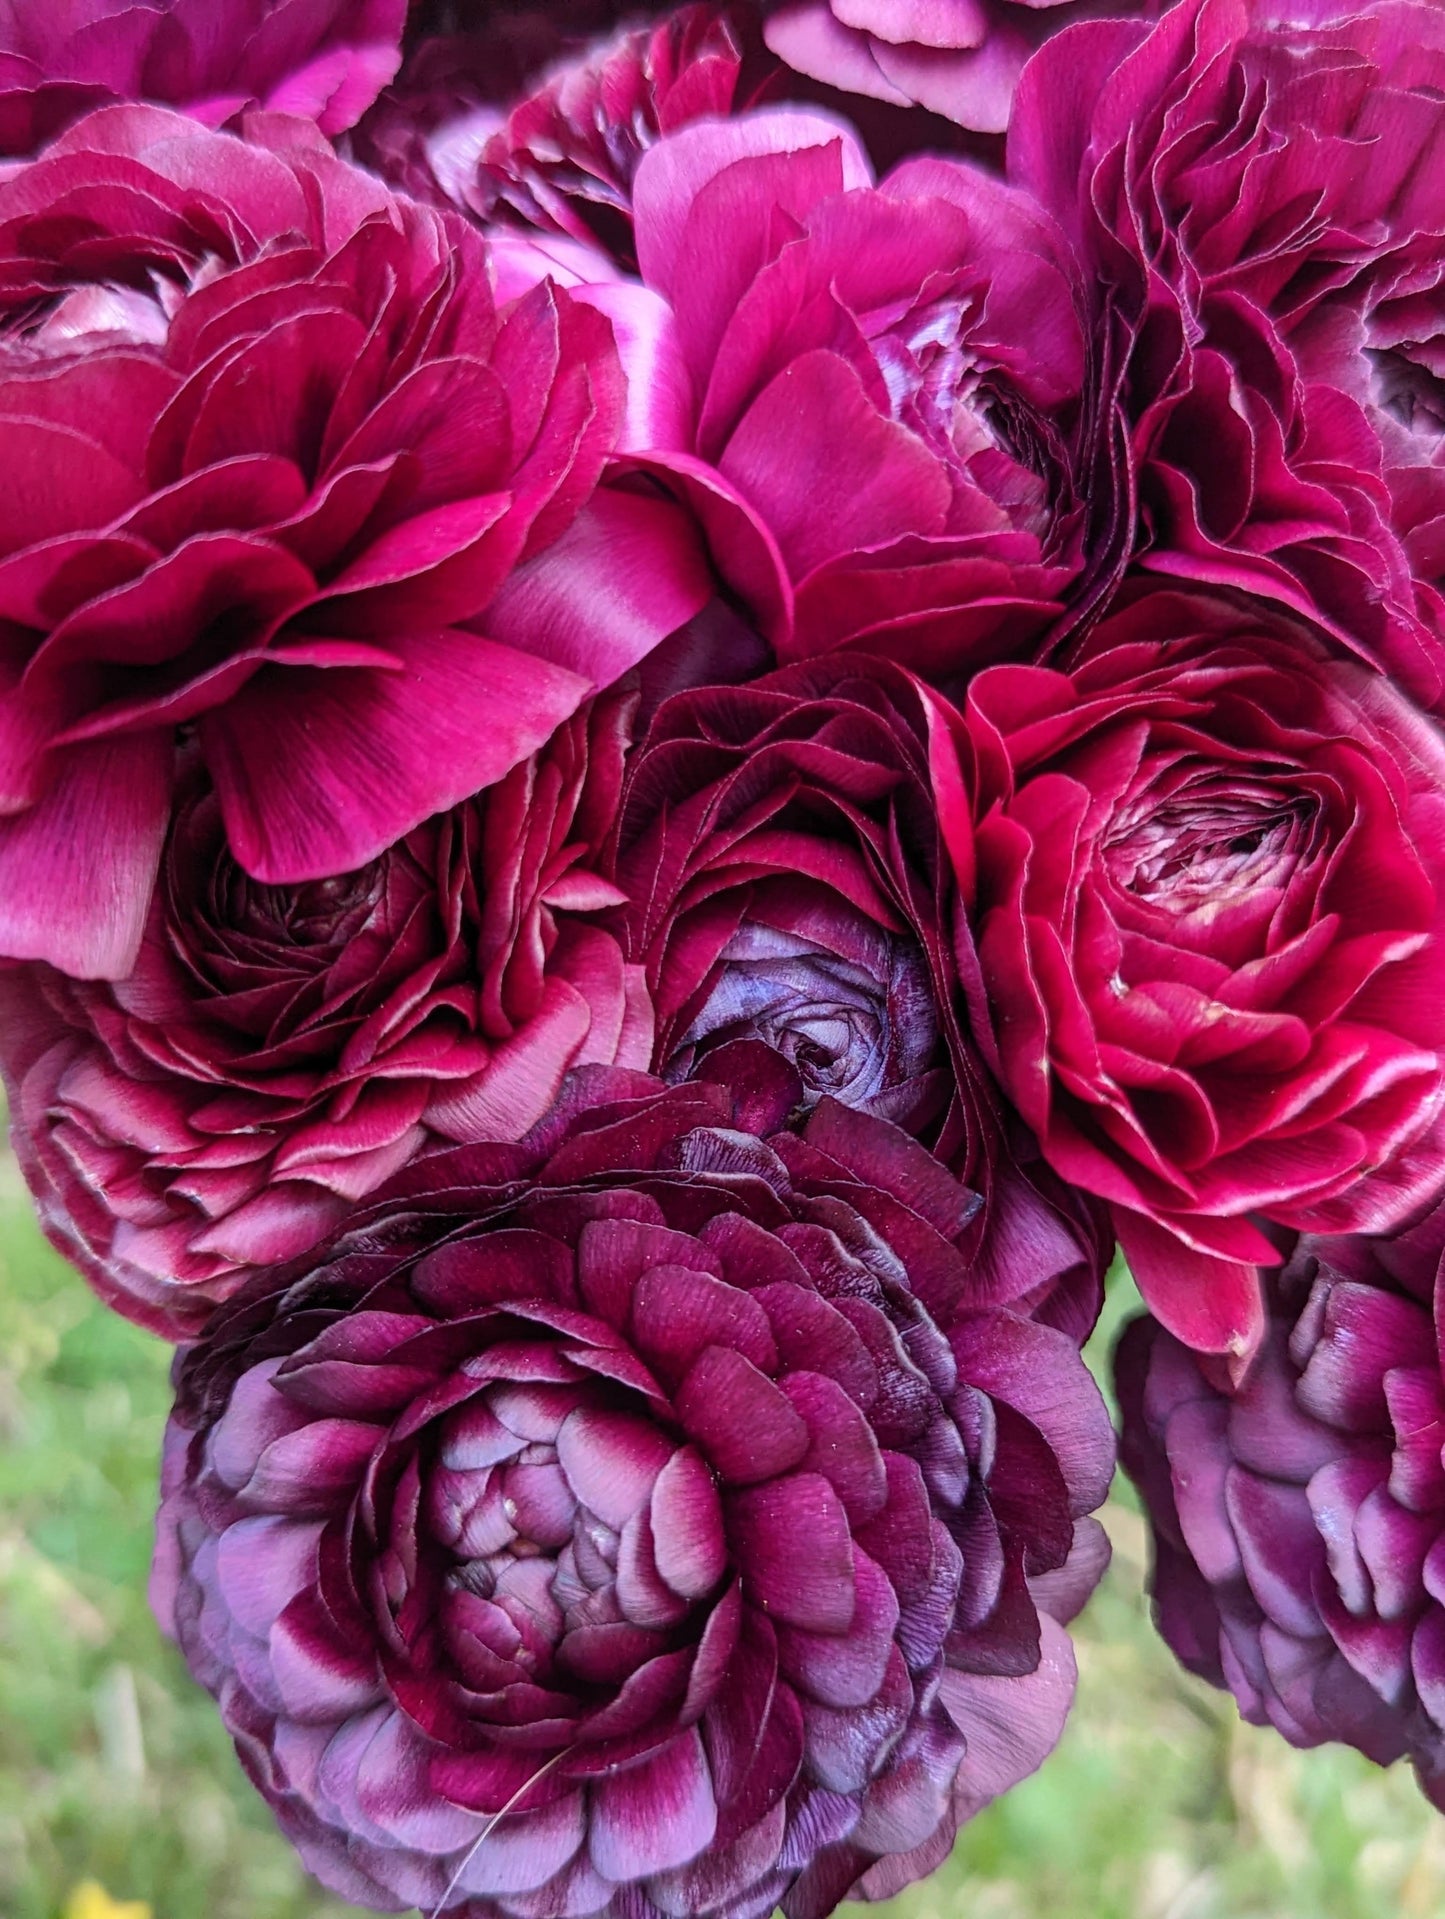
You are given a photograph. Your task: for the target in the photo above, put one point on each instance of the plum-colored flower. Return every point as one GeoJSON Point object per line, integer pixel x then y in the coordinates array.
{"type": "Point", "coordinates": [635, 1524]}
{"type": "Point", "coordinates": [890, 435]}
{"type": "Point", "coordinates": [323, 59]}
{"type": "Point", "coordinates": [958, 58]}
{"type": "Point", "coordinates": [779, 845]}
{"type": "Point", "coordinates": [279, 1052]}
{"type": "Point", "coordinates": [1206, 873]}
{"type": "Point", "coordinates": [1299, 1519]}
{"type": "Point", "coordinates": [1265, 242]}
{"type": "Point", "coordinates": [282, 470]}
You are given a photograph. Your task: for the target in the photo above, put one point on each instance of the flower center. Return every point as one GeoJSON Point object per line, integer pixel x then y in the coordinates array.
{"type": "Point", "coordinates": [938, 389]}
{"type": "Point", "coordinates": [852, 1028]}
{"type": "Point", "coordinates": [113, 312]}
{"type": "Point", "coordinates": [1193, 852]}
{"type": "Point", "coordinates": [315, 914]}
{"type": "Point", "coordinates": [540, 1586]}
{"type": "Point", "coordinates": [1409, 389]}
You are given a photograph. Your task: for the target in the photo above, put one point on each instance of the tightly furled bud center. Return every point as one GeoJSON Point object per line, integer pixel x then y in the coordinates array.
{"type": "Point", "coordinates": [247, 948]}
{"type": "Point", "coordinates": [851, 1028]}
{"type": "Point", "coordinates": [104, 314]}
{"type": "Point", "coordinates": [1408, 383]}
{"type": "Point", "coordinates": [540, 1496]}
{"type": "Point", "coordinates": [300, 927]}
{"type": "Point", "coordinates": [941, 388]}
{"type": "Point", "coordinates": [1200, 848]}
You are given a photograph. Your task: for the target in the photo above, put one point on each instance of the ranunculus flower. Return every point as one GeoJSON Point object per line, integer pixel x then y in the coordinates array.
{"type": "Point", "coordinates": [958, 58]}
{"type": "Point", "coordinates": [1206, 873]}
{"type": "Point", "coordinates": [516, 117]}
{"type": "Point", "coordinates": [638, 1525]}
{"type": "Point", "coordinates": [273, 451]}
{"type": "Point", "coordinates": [779, 843]}
{"type": "Point", "coordinates": [467, 67]}
{"type": "Point", "coordinates": [1299, 1520]}
{"type": "Point", "coordinates": [565, 157]}
{"type": "Point", "coordinates": [280, 1051]}
{"type": "Point", "coordinates": [323, 59]}
{"type": "Point", "coordinates": [888, 437]}
{"type": "Point", "coordinates": [1264, 238]}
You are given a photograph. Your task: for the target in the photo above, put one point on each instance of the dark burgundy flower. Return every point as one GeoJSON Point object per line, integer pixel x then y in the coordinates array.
{"type": "Point", "coordinates": [959, 58]}
{"type": "Point", "coordinates": [1261, 198]}
{"type": "Point", "coordinates": [274, 450]}
{"type": "Point", "coordinates": [779, 843]}
{"type": "Point", "coordinates": [1299, 1520]}
{"type": "Point", "coordinates": [279, 1052]}
{"type": "Point", "coordinates": [638, 1525]}
{"type": "Point", "coordinates": [324, 59]}
{"type": "Point", "coordinates": [1206, 872]}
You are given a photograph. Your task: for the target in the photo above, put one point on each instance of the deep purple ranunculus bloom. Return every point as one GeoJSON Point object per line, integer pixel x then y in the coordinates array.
{"type": "Point", "coordinates": [323, 59]}
{"type": "Point", "coordinates": [637, 1522]}
{"type": "Point", "coordinates": [1205, 870]}
{"type": "Point", "coordinates": [1299, 1519]}
{"type": "Point", "coordinates": [1260, 197]}
{"type": "Point", "coordinates": [779, 846]}
{"type": "Point", "coordinates": [959, 58]}
{"type": "Point", "coordinates": [282, 470]}
{"type": "Point", "coordinates": [278, 1052]}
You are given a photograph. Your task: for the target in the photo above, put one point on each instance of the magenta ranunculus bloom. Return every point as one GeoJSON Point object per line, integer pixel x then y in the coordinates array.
{"type": "Point", "coordinates": [281, 470]}
{"type": "Point", "coordinates": [279, 1052]}
{"type": "Point", "coordinates": [958, 58]}
{"type": "Point", "coordinates": [1264, 238]}
{"type": "Point", "coordinates": [325, 60]}
{"type": "Point", "coordinates": [887, 435]}
{"type": "Point", "coordinates": [779, 843]}
{"type": "Point", "coordinates": [638, 1523]}
{"type": "Point", "coordinates": [1299, 1520]}
{"type": "Point", "coordinates": [565, 156]}
{"type": "Point", "coordinates": [467, 67]}
{"type": "Point", "coordinates": [1206, 873]}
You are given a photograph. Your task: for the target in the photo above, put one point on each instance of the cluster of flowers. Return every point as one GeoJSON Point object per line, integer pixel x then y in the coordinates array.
{"type": "Point", "coordinates": [690, 701]}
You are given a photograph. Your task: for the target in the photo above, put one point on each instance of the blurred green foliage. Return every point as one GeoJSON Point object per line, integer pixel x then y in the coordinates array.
{"type": "Point", "coordinates": [113, 1767]}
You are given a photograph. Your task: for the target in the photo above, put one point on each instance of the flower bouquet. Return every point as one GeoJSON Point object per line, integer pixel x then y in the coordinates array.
{"type": "Point", "coordinates": [692, 700]}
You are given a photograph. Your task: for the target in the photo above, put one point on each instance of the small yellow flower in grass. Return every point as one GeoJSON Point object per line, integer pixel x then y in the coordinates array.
{"type": "Point", "coordinates": [90, 1900]}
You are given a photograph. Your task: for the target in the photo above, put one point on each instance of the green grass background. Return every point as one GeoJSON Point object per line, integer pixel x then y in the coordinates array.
{"type": "Point", "coordinates": [1159, 1804]}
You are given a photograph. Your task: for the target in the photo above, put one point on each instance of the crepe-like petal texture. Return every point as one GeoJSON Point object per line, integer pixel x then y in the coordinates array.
{"type": "Point", "coordinates": [887, 418]}
{"type": "Point", "coordinates": [279, 1052]}
{"type": "Point", "coordinates": [1298, 1515]}
{"type": "Point", "coordinates": [273, 448]}
{"type": "Point", "coordinates": [893, 440]}
{"type": "Point", "coordinates": [323, 59]}
{"type": "Point", "coordinates": [960, 59]}
{"type": "Point", "coordinates": [468, 68]}
{"type": "Point", "coordinates": [1264, 236]}
{"type": "Point", "coordinates": [624, 1523]}
{"type": "Point", "coordinates": [778, 844]}
{"type": "Point", "coordinates": [566, 155]}
{"type": "Point", "coordinates": [1206, 873]}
